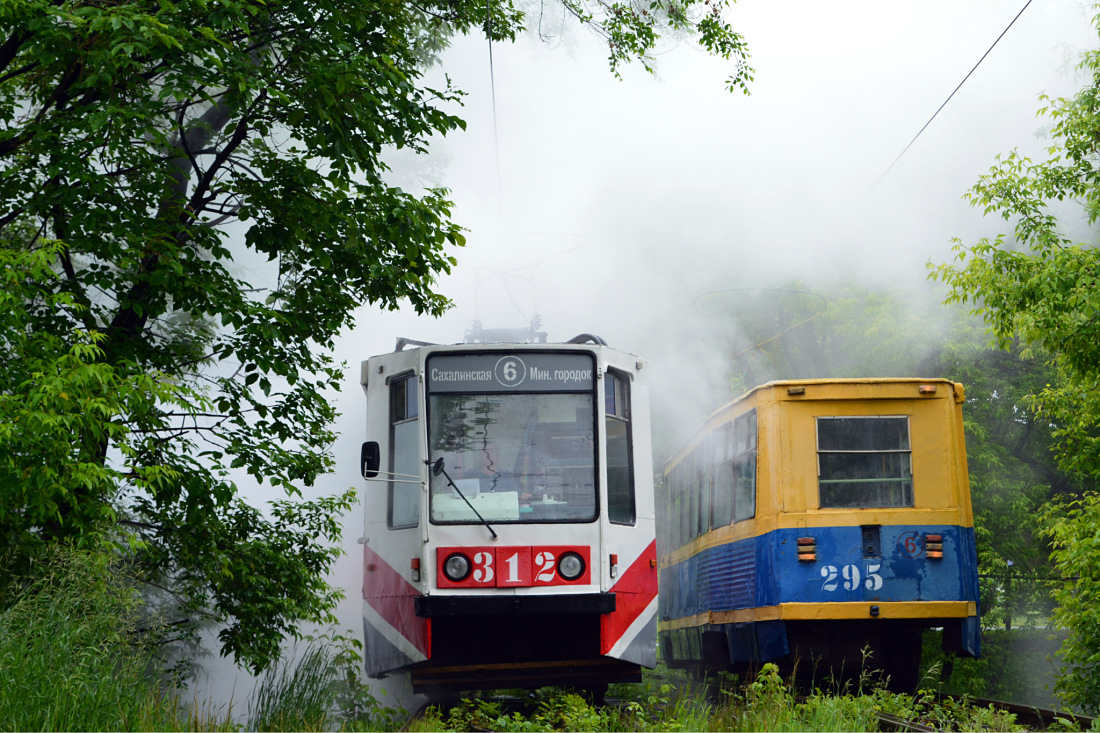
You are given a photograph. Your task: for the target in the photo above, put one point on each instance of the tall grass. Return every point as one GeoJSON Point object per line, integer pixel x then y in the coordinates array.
{"type": "Point", "coordinates": [295, 694]}
{"type": "Point", "coordinates": [319, 689]}
{"type": "Point", "coordinates": [69, 655]}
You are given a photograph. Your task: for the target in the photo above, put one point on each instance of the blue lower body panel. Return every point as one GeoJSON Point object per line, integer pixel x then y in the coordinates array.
{"type": "Point", "coordinates": [764, 572]}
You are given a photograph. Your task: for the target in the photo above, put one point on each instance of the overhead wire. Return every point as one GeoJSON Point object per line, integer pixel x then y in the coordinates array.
{"type": "Point", "coordinates": [949, 96]}
{"type": "Point", "coordinates": [493, 92]}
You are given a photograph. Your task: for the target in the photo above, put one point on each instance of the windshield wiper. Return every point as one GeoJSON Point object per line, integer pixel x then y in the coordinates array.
{"type": "Point", "coordinates": [437, 468]}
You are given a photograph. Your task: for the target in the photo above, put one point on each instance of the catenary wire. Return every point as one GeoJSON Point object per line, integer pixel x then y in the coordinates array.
{"type": "Point", "coordinates": [949, 96]}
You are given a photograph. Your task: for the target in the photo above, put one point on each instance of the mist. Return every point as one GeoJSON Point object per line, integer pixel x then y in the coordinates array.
{"type": "Point", "coordinates": [645, 210]}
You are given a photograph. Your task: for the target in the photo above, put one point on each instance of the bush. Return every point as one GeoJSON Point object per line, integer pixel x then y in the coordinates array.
{"type": "Point", "coordinates": [71, 656]}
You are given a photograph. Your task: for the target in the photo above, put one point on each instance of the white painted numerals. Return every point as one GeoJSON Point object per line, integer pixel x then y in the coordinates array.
{"type": "Point", "coordinates": [483, 567]}
{"type": "Point", "coordinates": [544, 567]}
{"type": "Point", "coordinates": [874, 580]}
{"type": "Point", "coordinates": [513, 568]}
{"type": "Point", "coordinates": [851, 575]}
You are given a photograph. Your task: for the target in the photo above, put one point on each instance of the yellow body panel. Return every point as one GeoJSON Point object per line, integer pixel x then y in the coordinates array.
{"type": "Point", "coordinates": [827, 611]}
{"type": "Point", "coordinates": [786, 464]}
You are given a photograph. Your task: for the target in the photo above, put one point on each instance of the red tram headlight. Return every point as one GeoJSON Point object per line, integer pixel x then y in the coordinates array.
{"type": "Point", "coordinates": [570, 566]}
{"type": "Point", "coordinates": [456, 567]}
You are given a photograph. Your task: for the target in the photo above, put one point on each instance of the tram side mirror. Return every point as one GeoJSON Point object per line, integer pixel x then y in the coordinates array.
{"type": "Point", "coordinates": [370, 459]}
{"type": "Point", "coordinates": [437, 467]}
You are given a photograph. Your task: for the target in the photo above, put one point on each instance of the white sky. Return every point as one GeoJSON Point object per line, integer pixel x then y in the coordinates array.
{"type": "Point", "coordinates": [622, 201]}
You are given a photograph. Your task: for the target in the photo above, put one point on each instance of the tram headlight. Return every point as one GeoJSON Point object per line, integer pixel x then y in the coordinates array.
{"type": "Point", "coordinates": [456, 567]}
{"type": "Point", "coordinates": [570, 566]}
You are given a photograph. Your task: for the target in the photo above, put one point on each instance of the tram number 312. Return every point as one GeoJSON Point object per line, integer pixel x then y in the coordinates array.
{"type": "Point", "coordinates": [484, 572]}
{"type": "Point", "coordinates": [851, 576]}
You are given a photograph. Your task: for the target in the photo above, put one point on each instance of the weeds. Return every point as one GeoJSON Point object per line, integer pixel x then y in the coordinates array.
{"type": "Point", "coordinates": [70, 656]}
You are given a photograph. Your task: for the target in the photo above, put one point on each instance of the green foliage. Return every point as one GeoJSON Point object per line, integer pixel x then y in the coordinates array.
{"type": "Point", "coordinates": [319, 689]}
{"type": "Point", "coordinates": [1018, 665]}
{"type": "Point", "coordinates": [1012, 472]}
{"type": "Point", "coordinates": [1073, 527]}
{"type": "Point", "coordinates": [78, 652]}
{"type": "Point", "coordinates": [146, 359]}
{"type": "Point", "coordinates": [1039, 289]}
{"type": "Point", "coordinates": [295, 694]}
{"type": "Point", "coordinates": [768, 703]}
{"type": "Point", "coordinates": [644, 708]}
{"type": "Point", "coordinates": [71, 656]}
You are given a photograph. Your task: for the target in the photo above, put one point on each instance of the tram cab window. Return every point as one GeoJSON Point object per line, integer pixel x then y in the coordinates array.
{"type": "Point", "coordinates": [404, 484]}
{"type": "Point", "coordinates": [744, 467]}
{"type": "Point", "coordinates": [515, 457]}
{"type": "Point", "coordinates": [620, 472]}
{"type": "Point", "coordinates": [864, 461]}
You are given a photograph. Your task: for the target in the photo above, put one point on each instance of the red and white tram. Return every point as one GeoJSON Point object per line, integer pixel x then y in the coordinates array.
{"type": "Point", "coordinates": [509, 521]}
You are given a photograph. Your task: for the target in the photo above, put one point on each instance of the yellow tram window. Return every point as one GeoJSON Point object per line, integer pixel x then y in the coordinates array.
{"type": "Point", "coordinates": [744, 467]}
{"type": "Point", "coordinates": [723, 477]}
{"type": "Point", "coordinates": [864, 461]}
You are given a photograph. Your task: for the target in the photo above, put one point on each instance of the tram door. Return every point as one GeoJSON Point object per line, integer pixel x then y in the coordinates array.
{"type": "Point", "coordinates": [392, 544]}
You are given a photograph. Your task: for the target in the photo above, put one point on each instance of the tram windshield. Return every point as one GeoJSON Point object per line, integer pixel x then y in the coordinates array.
{"type": "Point", "coordinates": [515, 457]}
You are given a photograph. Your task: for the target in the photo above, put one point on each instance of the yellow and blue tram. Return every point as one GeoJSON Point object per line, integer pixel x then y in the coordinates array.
{"type": "Point", "coordinates": [813, 520]}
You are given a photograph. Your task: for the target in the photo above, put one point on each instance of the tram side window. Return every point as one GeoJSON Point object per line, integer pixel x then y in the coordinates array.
{"type": "Point", "coordinates": [404, 493]}
{"type": "Point", "coordinates": [702, 489]}
{"type": "Point", "coordinates": [722, 452]}
{"type": "Point", "coordinates": [675, 492]}
{"type": "Point", "coordinates": [620, 472]}
{"type": "Point", "coordinates": [744, 467]}
{"type": "Point", "coordinates": [694, 522]}
{"type": "Point", "coordinates": [686, 506]}
{"type": "Point", "coordinates": [864, 461]}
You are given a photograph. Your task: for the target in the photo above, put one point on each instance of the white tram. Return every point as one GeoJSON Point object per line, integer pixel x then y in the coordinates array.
{"type": "Point", "coordinates": [509, 516]}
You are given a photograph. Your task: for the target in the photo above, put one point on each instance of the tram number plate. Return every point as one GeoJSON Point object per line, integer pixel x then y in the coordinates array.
{"type": "Point", "coordinates": [511, 567]}
{"type": "Point", "coordinates": [850, 577]}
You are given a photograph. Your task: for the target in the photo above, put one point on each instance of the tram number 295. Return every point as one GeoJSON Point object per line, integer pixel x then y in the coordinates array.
{"type": "Point", "coordinates": [849, 576]}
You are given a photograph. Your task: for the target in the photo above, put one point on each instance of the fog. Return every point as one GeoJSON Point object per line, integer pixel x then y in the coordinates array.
{"type": "Point", "coordinates": [614, 207]}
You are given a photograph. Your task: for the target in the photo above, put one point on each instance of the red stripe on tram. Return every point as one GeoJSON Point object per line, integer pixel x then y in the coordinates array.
{"type": "Point", "coordinates": [387, 592]}
{"type": "Point", "coordinates": [634, 591]}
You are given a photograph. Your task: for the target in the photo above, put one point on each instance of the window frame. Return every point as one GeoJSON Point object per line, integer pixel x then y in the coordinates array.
{"type": "Point", "coordinates": [623, 414]}
{"type": "Point", "coordinates": [748, 418]}
{"type": "Point", "coordinates": [592, 393]}
{"type": "Point", "coordinates": [907, 452]}
{"type": "Point", "coordinates": [722, 462]}
{"type": "Point", "coordinates": [395, 422]}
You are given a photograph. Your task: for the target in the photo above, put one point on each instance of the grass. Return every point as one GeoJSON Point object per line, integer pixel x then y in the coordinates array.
{"type": "Point", "coordinates": [767, 703]}
{"type": "Point", "coordinates": [71, 657]}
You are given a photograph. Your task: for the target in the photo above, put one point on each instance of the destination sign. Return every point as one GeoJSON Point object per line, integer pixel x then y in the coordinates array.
{"type": "Point", "coordinates": [525, 372]}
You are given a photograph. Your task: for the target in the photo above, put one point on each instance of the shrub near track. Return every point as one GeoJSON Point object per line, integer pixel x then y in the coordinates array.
{"type": "Point", "coordinates": [69, 656]}
{"type": "Point", "coordinates": [767, 703]}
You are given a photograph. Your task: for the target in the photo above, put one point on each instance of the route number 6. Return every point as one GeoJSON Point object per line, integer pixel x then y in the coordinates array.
{"type": "Point", "coordinates": [851, 575]}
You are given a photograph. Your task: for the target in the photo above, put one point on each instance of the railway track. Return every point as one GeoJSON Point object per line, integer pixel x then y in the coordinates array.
{"type": "Point", "coordinates": [1029, 716]}
{"type": "Point", "coordinates": [1032, 717]}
